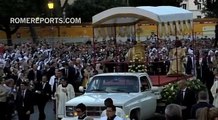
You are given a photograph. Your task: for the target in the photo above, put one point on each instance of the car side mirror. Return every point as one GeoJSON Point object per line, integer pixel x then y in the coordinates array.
{"type": "Point", "coordinates": [157, 91]}
{"type": "Point", "coordinates": [81, 89]}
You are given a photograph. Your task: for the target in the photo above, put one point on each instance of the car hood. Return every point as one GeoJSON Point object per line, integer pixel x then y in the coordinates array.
{"type": "Point", "coordinates": [97, 99]}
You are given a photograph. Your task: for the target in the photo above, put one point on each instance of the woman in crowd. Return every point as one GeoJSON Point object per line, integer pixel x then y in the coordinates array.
{"type": "Point", "coordinates": [207, 114]}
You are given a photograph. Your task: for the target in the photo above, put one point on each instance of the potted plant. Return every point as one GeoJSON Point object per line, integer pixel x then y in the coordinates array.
{"type": "Point", "coordinates": [196, 85]}
{"type": "Point", "coordinates": [136, 66]}
{"type": "Point", "coordinates": [169, 91]}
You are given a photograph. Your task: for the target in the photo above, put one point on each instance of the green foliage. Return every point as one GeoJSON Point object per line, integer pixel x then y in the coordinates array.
{"type": "Point", "coordinates": [20, 8]}
{"type": "Point", "coordinates": [170, 91]}
{"type": "Point", "coordinates": [154, 2]}
{"type": "Point", "coordinates": [211, 8]}
{"type": "Point", "coordinates": [88, 8]}
{"type": "Point", "coordinates": [196, 85]}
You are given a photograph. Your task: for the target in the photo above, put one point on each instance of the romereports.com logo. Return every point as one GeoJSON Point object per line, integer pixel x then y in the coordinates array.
{"type": "Point", "coordinates": [39, 20]}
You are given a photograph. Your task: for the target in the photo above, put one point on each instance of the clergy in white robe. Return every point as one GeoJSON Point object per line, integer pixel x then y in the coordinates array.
{"type": "Point", "coordinates": [116, 118]}
{"type": "Point", "coordinates": [214, 91]}
{"type": "Point", "coordinates": [119, 112]}
{"type": "Point", "coordinates": [64, 93]}
{"type": "Point", "coordinates": [111, 114]}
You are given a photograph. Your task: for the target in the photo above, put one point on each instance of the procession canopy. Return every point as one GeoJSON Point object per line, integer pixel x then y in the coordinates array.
{"type": "Point", "coordinates": [168, 18]}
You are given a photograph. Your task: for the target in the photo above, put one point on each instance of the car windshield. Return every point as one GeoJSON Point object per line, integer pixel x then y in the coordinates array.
{"type": "Point", "coordinates": [127, 84]}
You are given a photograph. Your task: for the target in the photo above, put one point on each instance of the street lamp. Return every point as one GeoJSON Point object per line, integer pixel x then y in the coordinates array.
{"type": "Point", "coordinates": [50, 5]}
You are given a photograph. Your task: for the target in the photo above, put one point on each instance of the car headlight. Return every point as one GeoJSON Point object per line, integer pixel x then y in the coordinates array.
{"type": "Point", "coordinates": [127, 116]}
{"type": "Point", "coordinates": [69, 108]}
{"type": "Point", "coordinates": [70, 112]}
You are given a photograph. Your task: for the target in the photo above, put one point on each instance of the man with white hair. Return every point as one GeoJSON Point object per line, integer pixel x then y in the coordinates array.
{"type": "Point", "coordinates": [203, 101]}
{"type": "Point", "coordinates": [173, 112]}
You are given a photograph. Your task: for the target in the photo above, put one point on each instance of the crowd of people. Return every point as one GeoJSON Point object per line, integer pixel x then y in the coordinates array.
{"type": "Point", "coordinates": [190, 102]}
{"type": "Point", "coordinates": [56, 71]}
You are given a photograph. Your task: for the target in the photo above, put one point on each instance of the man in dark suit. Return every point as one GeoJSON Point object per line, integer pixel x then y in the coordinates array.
{"type": "Point", "coordinates": [204, 66]}
{"type": "Point", "coordinates": [186, 98]}
{"type": "Point", "coordinates": [189, 65]}
{"type": "Point", "coordinates": [43, 94]}
{"type": "Point", "coordinates": [24, 102]}
{"type": "Point", "coordinates": [34, 74]}
{"type": "Point", "coordinates": [51, 70]}
{"type": "Point", "coordinates": [202, 102]}
{"type": "Point", "coordinates": [69, 73]}
{"type": "Point", "coordinates": [209, 74]}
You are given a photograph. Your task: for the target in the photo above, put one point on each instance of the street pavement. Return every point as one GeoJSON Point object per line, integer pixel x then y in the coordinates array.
{"type": "Point", "coordinates": [51, 116]}
{"type": "Point", "coordinates": [48, 111]}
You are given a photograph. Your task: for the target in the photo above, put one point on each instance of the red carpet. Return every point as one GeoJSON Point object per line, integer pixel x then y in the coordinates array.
{"type": "Point", "coordinates": [160, 80]}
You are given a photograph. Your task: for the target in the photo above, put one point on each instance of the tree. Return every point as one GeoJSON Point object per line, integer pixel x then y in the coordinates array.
{"type": "Point", "coordinates": [211, 11]}
{"type": "Point", "coordinates": [210, 8]}
{"type": "Point", "coordinates": [154, 2]}
{"type": "Point", "coordinates": [85, 9]}
{"type": "Point", "coordinates": [17, 8]}
{"type": "Point", "coordinates": [60, 9]}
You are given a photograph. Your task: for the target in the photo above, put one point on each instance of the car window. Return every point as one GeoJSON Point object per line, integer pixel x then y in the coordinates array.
{"type": "Point", "coordinates": [114, 84]}
{"type": "Point", "coordinates": [144, 83]}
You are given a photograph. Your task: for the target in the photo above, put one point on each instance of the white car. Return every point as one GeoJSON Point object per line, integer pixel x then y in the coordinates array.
{"type": "Point", "coordinates": [133, 92]}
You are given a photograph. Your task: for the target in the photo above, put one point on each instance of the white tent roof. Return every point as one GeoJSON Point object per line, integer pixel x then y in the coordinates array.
{"type": "Point", "coordinates": [128, 15]}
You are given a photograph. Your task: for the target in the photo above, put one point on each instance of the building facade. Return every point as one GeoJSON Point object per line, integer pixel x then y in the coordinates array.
{"type": "Point", "coordinates": [195, 6]}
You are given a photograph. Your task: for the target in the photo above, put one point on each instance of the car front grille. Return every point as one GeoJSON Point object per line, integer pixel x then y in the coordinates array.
{"type": "Point", "coordinates": [90, 110]}
{"type": "Point", "coordinates": [95, 111]}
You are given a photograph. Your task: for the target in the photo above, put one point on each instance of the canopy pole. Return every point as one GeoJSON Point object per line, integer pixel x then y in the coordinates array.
{"type": "Point", "coordinates": [134, 28]}
{"type": "Point", "coordinates": [115, 43]}
{"type": "Point", "coordinates": [94, 45]}
{"type": "Point", "coordinates": [194, 50]}
{"type": "Point", "coordinates": [158, 54]}
{"type": "Point", "coordinates": [177, 65]}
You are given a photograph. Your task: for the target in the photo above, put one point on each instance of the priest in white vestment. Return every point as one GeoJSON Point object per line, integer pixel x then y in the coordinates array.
{"type": "Point", "coordinates": [64, 93]}
{"type": "Point", "coordinates": [214, 88]}
{"type": "Point", "coordinates": [177, 56]}
{"type": "Point", "coordinates": [214, 91]}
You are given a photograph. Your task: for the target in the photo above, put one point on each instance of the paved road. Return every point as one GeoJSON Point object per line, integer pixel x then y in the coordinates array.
{"type": "Point", "coordinates": [51, 116]}
{"type": "Point", "coordinates": [48, 110]}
